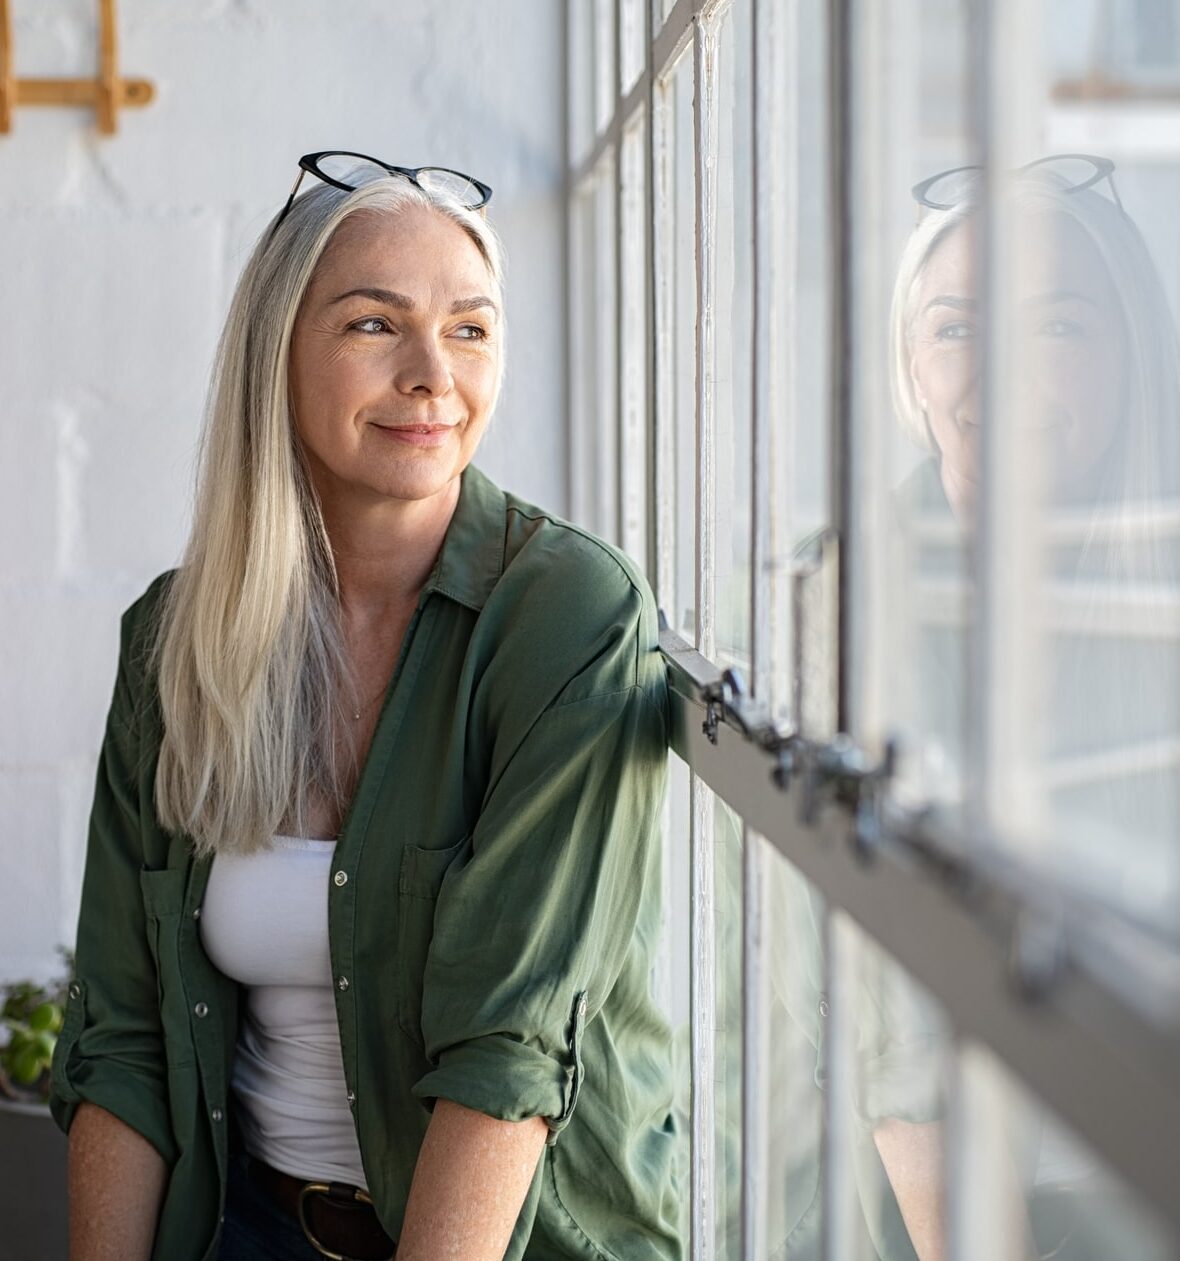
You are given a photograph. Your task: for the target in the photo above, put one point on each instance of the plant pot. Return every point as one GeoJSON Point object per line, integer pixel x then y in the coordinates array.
{"type": "Point", "coordinates": [32, 1184]}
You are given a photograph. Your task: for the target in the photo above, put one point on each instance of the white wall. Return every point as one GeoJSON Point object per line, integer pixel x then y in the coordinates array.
{"type": "Point", "coordinates": [117, 256]}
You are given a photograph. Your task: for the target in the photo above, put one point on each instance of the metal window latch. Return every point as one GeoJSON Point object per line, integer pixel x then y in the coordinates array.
{"type": "Point", "coordinates": [842, 771]}
{"type": "Point", "coordinates": [1037, 953]}
{"type": "Point", "coordinates": [726, 698]}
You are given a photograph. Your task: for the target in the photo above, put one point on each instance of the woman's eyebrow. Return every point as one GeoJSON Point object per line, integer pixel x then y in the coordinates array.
{"type": "Point", "coordinates": [387, 296]}
{"type": "Point", "coordinates": [472, 304]}
{"type": "Point", "coordinates": [1053, 296]}
{"type": "Point", "coordinates": [957, 304]}
{"type": "Point", "coordinates": [399, 300]}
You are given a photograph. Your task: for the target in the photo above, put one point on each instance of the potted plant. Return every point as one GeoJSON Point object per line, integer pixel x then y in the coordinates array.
{"type": "Point", "coordinates": [32, 1149]}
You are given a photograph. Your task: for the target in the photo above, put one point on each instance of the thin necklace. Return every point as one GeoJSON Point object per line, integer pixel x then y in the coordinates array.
{"type": "Point", "coordinates": [356, 713]}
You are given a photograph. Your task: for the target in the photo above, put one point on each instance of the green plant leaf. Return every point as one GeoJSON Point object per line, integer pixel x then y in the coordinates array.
{"type": "Point", "coordinates": [42, 1018]}
{"type": "Point", "coordinates": [26, 1066]}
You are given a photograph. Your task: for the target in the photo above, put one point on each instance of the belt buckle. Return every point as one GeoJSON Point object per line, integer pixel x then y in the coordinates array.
{"type": "Point", "coordinates": [323, 1188]}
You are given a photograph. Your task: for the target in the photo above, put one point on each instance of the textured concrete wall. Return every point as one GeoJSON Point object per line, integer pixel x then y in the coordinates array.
{"type": "Point", "coordinates": [117, 257]}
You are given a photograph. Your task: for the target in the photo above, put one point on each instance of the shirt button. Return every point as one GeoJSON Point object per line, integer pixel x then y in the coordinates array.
{"type": "Point", "coordinates": [201, 1010]}
{"type": "Point", "coordinates": [217, 1114]}
{"type": "Point", "coordinates": [341, 879]}
{"type": "Point", "coordinates": [351, 1096]}
{"type": "Point", "coordinates": [824, 1009]}
{"type": "Point", "coordinates": [342, 983]}
{"type": "Point", "coordinates": [75, 990]}
{"type": "Point", "coordinates": [582, 1008]}
{"type": "Point", "coordinates": [196, 912]}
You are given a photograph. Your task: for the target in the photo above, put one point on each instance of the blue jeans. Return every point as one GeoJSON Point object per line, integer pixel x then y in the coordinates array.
{"type": "Point", "coordinates": [255, 1228]}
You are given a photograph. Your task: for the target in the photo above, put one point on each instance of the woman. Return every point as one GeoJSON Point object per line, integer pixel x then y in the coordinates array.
{"type": "Point", "coordinates": [372, 885]}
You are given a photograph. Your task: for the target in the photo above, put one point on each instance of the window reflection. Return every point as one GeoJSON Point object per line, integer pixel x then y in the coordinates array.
{"type": "Point", "coordinates": [1085, 453]}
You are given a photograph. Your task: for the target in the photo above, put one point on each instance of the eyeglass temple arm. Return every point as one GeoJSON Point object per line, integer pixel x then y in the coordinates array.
{"type": "Point", "coordinates": [290, 203]}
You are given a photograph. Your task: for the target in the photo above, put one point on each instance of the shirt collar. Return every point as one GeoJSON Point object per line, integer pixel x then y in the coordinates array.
{"type": "Point", "coordinates": [471, 559]}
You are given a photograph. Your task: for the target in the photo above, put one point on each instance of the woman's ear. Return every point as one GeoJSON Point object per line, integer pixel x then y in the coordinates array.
{"type": "Point", "coordinates": [915, 381]}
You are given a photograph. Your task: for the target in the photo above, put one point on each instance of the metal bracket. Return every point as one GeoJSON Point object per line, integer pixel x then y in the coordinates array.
{"type": "Point", "coordinates": [107, 93]}
{"type": "Point", "coordinates": [723, 699]}
{"type": "Point", "coordinates": [839, 770]}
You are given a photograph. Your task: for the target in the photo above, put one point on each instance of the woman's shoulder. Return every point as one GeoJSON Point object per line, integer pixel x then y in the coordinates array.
{"type": "Point", "coordinates": [569, 615]}
{"type": "Point", "coordinates": [559, 561]}
{"type": "Point", "coordinates": [141, 622]}
{"type": "Point", "coordinates": [565, 552]}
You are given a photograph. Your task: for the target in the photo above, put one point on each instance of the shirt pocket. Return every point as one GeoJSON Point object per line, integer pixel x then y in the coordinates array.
{"type": "Point", "coordinates": [419, 882]}
{"type": "Point", "coordinates": [163, 906]}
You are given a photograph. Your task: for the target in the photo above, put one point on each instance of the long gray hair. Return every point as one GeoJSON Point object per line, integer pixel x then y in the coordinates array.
{"type": "Point", "coordinates": [253, 682]}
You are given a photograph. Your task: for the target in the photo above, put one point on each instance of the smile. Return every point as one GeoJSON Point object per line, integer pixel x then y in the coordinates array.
{"type": "Point", "coordinates": [416, 435]}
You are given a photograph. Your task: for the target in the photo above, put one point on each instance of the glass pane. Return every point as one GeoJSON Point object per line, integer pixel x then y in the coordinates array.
{"type": "Point", "coordinates": [604, 63]}
{"type": "Point", "coordinates": [605, 427]}
{"type": "Point", "coordinates": [580, 66]}
{"type": "Point", "coordinates": [632, 43]}
{"type": "Point", "coordinates": [889, 1077]}
{"type": "Point", "coordinates": [727, 1088]}
{"type": "Point", "coordinates": [671, 982]}
{"type": "Point", "coordinates": [634, 464]}
{"type": "Point", "coordinates": [594, 335]}
{"type": "Point", "coordinates": [733, 312]}
{"type": "Point", "coordinates": [802, 666]}
{"type": "Point", "coordinates": [1031, 1188]}
{"type": "Point", "coordinates": [659, 13]}
{"type": "Point", "coordinates": [1083, 511]}
{"type": "Point", "coordinates": [908, 675]}
{"type": "Point", "coordinates": [675, 313]}
{"type": "Point", "coordinates": [583, 330]}
{"type": "Point", "coordinates": [796, 1013]}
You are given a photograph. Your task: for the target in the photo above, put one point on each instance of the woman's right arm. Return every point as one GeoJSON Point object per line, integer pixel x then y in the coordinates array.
{"type": "Point", "coordinates": [109, 1086]}
{"type": "Point", "coordinates": [112, 1218]}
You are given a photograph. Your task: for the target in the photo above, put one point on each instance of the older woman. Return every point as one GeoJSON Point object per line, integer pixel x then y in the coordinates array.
{"type": "Point", "coordinates": [371, 893]}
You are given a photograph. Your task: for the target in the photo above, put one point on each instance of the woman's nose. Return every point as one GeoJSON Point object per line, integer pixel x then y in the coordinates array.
{"type": "Point", "coordinates": [422, 369]}
{"type": "Point", "coordinates": [967, 404]}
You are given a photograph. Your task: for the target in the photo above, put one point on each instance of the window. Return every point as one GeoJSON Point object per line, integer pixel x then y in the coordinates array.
{"type": "Point", "coordinates": [879, 379]}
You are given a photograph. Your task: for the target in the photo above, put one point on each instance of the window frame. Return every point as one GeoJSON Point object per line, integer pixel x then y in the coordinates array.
{"type": "Point", "coordinates": [1032, 974]}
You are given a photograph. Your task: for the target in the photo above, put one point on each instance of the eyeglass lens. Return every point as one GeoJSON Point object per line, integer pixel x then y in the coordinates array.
{"type": "Point", "coordinates": [956, 187]}
{"type": "Point", "coordinates": [353, 171]}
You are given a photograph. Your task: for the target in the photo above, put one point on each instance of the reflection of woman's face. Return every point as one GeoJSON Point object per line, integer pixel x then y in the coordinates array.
{"type": "Point", "coordinates": [1068, 348]}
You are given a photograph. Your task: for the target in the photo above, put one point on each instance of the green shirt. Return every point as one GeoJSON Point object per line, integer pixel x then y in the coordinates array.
{"type": "Point", "coordinates": [493, 913]}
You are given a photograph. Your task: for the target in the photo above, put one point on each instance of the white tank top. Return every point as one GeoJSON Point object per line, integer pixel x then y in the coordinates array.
{"type": "Point", "coordinates": [264, 923]}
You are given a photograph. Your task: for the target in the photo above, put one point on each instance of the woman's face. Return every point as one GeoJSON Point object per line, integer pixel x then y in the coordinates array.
{"type": "Point", "coordinates": [395, 358]}
{"type": "Point", "coordinates": [1067, 350]}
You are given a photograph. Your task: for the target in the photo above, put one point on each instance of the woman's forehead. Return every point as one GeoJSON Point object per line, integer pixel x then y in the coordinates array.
{"type": "Point", "coordinates": [1052, 253]}
{"type": "Point", "coordinates": [415, 244]}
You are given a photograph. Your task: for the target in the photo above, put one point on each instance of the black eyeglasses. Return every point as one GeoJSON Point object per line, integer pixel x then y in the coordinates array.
{"type": "Point", "coordinates": [1068, 172]}
{"type": "Point", "coordinates": [349, 171]}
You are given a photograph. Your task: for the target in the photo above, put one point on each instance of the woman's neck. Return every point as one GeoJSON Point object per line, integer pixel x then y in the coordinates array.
{"type": "Point", "coordinates": [384, 550]}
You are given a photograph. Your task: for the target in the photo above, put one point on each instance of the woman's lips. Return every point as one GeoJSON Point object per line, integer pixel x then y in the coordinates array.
{"type": "Point", "coordinates": [417, 435]}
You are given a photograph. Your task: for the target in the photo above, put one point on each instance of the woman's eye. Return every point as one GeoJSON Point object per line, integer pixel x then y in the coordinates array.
{"type": "Point", "coordinates": [957, 331]}
{"type": "Point", "coordinates": [371, 324]}
{"type": "Point", "coordinates": [1061, 328]}
{"type": "Point", "coordinates": [473, 332]}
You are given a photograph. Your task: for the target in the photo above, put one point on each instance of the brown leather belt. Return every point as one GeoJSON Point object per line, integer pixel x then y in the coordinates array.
{"type": "Point", "coordinates": [339, 1220]}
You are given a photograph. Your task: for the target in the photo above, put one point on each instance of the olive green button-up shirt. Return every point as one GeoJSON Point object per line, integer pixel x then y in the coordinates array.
{"type": "Point", "coordinates": [493, 910]}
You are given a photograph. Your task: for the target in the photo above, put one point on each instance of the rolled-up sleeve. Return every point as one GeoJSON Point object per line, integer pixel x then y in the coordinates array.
{"type": "Point", "coordinates": [535, 919]}
{"type": "Point", "coordinates": [111, 1052]}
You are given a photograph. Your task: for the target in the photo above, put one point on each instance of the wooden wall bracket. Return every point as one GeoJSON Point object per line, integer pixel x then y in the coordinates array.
{"type": "Point", "coordinates": [106, 94]}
